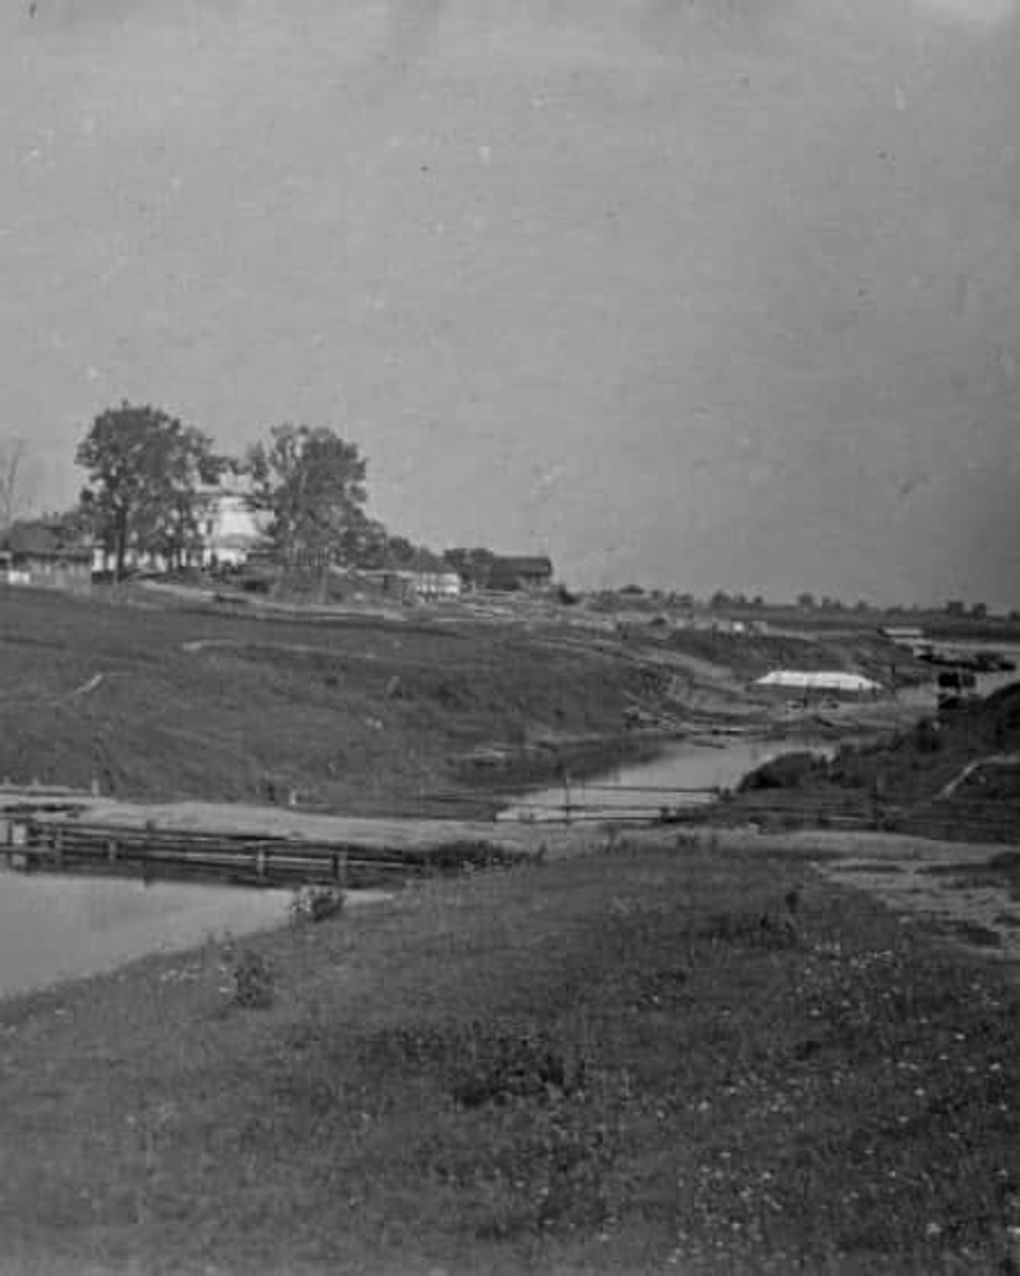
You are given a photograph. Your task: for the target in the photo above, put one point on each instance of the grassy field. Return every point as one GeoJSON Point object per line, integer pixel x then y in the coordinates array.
{"type": "Point", "coordinates": [602, 1064]}
{"type": "Point", "coordinates": [169, 700]}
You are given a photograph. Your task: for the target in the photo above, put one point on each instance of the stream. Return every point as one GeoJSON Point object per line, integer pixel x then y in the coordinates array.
{"type": "Point", "coordinates": [55, 927]}
{"type": "Point", "coordinates": [646, 786]}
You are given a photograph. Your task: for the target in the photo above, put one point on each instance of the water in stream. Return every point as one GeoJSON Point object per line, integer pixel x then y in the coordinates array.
{"type": "Point", "coordinates": [55, 927]}
{"type": "Point", "coordinates": [647, 786]}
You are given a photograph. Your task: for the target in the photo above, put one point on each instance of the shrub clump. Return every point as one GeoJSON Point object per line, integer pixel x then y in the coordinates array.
{"type": "Point", "coordinates": [788, 771]}
{"type": "Point", "coordinates": [254, 981]}
{"type": "Point", "coordinates": [518, 1064]}
{"type": "Point", "coordinates": [316, 904]}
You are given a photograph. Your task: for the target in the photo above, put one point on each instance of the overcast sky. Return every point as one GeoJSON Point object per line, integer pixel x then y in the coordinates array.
{"type": "Point", "coordinates": [697, 293]}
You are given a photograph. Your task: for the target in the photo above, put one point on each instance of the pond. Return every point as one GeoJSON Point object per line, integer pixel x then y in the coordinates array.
{"type": "Point", "coordinates": [59, 927]}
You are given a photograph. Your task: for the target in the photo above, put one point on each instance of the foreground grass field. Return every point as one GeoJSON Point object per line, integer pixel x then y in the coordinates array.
{"type": "Point", "coordinates": [649, 1059]}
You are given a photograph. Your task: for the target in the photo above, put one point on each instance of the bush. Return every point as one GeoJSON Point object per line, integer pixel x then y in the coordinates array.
{"type": "Point", "coordinates": [316, 904]}
{"type": "Point", "coordinates": [253, 981]}
{"type": "Point", "coordinates": [927, 736]}
{"type": "Point", "coordinates": [788, 771]}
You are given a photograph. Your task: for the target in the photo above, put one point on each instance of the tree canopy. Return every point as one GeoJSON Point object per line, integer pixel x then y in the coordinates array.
{"type": "Point", "coordinates": [145, 470]}
{"type": "Point", "coordinates": [311, 482]}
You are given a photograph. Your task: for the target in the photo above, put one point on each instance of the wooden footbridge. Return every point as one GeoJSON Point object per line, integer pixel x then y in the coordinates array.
{"type": "Point", "coordinates": [59, 830]}
{"type": "Point", "coordinates": [65, 830]}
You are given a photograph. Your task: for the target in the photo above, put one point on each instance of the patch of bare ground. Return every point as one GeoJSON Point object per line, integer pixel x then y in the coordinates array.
{"type": "Point", "coordinates": [968, 893]}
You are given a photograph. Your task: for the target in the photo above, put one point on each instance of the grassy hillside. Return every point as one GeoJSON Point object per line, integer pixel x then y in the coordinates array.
{"type": "Point", "coordinates": [955, 777]}
{"type": "Point", "coordinates": [751, 656]}
{"type": "Point", "coordinates": [170, 700]}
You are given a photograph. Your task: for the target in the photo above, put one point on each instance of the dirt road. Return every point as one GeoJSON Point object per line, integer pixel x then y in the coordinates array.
{"type": "Point", "coordinates": [967, 890]}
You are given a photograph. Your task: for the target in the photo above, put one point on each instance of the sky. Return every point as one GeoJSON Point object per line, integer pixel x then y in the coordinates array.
{"type": "Point", "coordinates": [695, 293]}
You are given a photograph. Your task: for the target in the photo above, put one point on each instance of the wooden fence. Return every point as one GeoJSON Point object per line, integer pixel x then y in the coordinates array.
{"type": "Point", "coordinates": [65, 846]}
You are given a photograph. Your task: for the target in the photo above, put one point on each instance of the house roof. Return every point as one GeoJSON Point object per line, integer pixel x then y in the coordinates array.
{"type": "Point", "coordinates": [41, 541]}
{"type": "Point", "coordinates": [523, 565]}
{"type": "Point", "coordinates": [65, 554]}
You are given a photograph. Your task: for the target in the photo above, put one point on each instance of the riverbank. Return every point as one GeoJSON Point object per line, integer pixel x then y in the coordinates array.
{"type": "Point", "coordinates": [954, 776]}
{"type": "Point", "coordinates": [357, 713]}
{"type": "Point", "coordinates": [601, 1063]}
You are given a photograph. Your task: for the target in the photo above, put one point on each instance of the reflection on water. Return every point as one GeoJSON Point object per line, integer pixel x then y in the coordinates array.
{"type": "Point", "coordinates": [663, 781]}
{"type": "Point", "coordinates": [58, 927]}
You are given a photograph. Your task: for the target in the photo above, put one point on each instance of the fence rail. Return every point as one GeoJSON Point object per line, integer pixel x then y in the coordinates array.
{"type": "Point", "coordinates": [57, 845]}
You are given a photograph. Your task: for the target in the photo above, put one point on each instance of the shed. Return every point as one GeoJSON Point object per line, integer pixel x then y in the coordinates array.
{"type": "Point", "coordinates": [65, 568]}
{"type": "Point", "coordinates": [513, 572]}
{"type": "Point", "coordinates": [835, 680]}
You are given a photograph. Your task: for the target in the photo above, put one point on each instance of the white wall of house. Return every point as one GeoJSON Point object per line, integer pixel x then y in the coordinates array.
{"type": "Point", "coordinates": [228, 531]}
{"type": "Point", "coordinates": [228, 527]}
{"type": "Point", "coordinates": [437, 584]}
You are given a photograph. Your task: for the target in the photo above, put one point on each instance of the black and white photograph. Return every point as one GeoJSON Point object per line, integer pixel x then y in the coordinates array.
{"type": "Point", "coordinates": [509, 638]}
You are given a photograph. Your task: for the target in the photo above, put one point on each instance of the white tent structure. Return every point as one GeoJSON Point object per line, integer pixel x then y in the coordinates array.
{"type": "Point", "coordinates": [834, 680]}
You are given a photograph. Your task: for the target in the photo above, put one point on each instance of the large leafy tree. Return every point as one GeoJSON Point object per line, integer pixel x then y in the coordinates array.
{"type": "Point", "coordinates": [473, 565]}
{"type": "Point", "coordinates": [146, 470]}
{"type": "Point", "coordinates": [311, 483]}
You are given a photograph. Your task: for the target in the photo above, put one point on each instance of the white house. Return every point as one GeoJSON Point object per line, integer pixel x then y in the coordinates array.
{"type": "Point", "coordinates": [229, 529]}
{"type": "Point", "coordinates": [436, 584]}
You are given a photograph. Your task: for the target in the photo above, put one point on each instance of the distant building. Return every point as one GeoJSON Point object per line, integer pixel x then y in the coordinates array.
{"type": "Point", "coordinates": [826, 680]}
{"type": "Point", "coordinates": [905, 634]}
{"type": "Point", "coordinates": [436, 584]}
{"type": "Point", "coordinates": [511, 573]}
{"type": "Point", "coordinates": [910, 637]}
{"type": "Point", "coordinates": [405, 584]}
{"type": "Point", "coordinates": [226, 534]}
{"type": "Point", "coordinates": [229, 531]}
{"type": "Point", "coordinates": [48, 567]}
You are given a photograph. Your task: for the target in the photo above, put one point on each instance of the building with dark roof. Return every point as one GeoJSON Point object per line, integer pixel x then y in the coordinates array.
{"type": "Point", "coordinates": [512, 573]}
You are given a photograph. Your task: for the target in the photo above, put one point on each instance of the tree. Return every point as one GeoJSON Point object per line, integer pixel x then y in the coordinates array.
{"type": "Point", "coordinates": [173, 522]}
{"type": "Point", "coordinates": [12, 461]}
{"type": "Point", "coordinates": [145, 469]}
{"type": "Point", "coordinates": [77, 525]}
{"type": "Point", "coordinates": [312, 484]}
{"type": "Point", "coordinates": [474, 566]}
{"type": "Point", "coordinates": [806, 601]}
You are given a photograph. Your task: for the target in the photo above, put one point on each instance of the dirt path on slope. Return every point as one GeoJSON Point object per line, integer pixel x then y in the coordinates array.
{"type": "Point", "coordinates": [969, 892]}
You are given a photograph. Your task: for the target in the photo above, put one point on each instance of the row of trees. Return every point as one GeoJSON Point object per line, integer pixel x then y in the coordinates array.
{"type": "Point", "coordinates": [720, 600]}
{"type": "Point", "coordinates": [148, 475]}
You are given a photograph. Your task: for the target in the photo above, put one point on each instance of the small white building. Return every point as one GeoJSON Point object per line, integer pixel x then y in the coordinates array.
{"type": "Point", "coordinates": [436, 584]}
{"type": "Point", "coordinates": [835, 680]}
{"type": "Point", "coordinates": [229, 529]}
